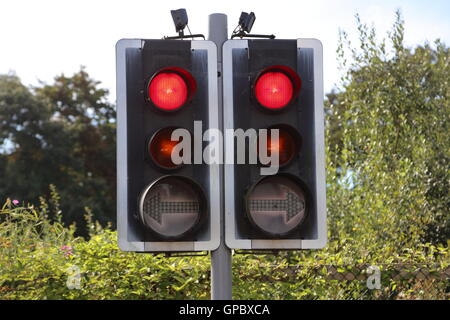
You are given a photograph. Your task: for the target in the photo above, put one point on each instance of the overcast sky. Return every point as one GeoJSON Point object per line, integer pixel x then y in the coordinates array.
{"type": "Point", "coordinates": [40, 39]}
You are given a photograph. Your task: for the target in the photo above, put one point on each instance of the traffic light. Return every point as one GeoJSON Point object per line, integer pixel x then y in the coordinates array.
{"type": "Point", "coordinates": [273, 104]}
{"type": "Point", "coordinates": [166, 92]}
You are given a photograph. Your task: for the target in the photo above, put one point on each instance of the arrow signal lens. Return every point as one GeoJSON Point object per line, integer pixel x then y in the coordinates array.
{"type": "Point", "coordinates": [276, 205]}
{"type": "Point", "coordinates": [172, 207]}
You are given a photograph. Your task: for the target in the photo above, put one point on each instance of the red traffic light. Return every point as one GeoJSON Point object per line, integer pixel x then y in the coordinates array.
{"type": "Point", "coordinates": [276, 87]}
{"type": "Point", "coordinates": [170, 88]}
{"type": "Point", "coordinates": [161, 146]}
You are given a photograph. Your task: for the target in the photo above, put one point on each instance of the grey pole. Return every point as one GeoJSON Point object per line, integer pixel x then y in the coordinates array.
{"type": "Point", "coordinates": [220, 258]}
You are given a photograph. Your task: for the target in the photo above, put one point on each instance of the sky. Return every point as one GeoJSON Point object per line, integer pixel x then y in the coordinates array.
{"type": "Point", "coordinates": [42, 39]}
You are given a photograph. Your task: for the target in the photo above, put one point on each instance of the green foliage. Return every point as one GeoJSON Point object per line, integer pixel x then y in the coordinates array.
{"type": "Point", "coordinates": [39, 258]}
{"type": "Point", "coordinates": [387, 142]}
{"type": "Point", "coordinates": [36, 254]}
{"type": "Point", "coordinates": [63, 134]}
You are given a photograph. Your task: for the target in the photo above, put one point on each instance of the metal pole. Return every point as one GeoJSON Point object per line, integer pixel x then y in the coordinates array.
{"type": "Point", "coordinates": [220, 258]}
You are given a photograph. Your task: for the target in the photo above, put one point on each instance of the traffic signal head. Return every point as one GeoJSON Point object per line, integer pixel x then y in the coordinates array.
{"type": "Point", "coordinates": [274, 88]}
{"type": "Point", "coordinates": [165, 87]}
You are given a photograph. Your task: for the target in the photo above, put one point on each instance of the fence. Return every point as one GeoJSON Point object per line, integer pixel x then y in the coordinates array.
{"type": "Point", "coordinates": [365, 281]}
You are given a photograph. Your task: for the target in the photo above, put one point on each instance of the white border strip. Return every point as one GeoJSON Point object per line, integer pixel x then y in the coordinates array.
{"type": "Point", "coordinates": [122, 160]}
{"type": "Point", "coordinates": [214, 169]}
{"type": "Point", "coordinates": [319, 143]}
{"type": "Point", "coordinates": [231, 239]}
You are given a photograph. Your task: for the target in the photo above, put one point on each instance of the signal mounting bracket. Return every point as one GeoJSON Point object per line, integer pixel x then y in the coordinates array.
{"type": "Point", "coordinates": [246, 21]}
{"type": "Point", "coordinates": [242, 34]}
{"type": "Point", "coordinates": [180, 254]}
{"type": "Point", "coordinates": [180, 20]}
{"type": "Point", "coordinates": [182, 36]}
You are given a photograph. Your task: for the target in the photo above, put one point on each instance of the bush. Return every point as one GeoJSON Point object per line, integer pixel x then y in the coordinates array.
{"type": "Point", "coordinates": [42, 259]}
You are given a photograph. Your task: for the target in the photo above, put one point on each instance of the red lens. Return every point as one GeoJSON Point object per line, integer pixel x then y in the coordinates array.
{"type": "Point", "coordinates": [274, 90]}
{"type": "Point", "coordinates": [161, 147]}
{"type": "Point", "coordinates": [168, 90]}
{"type": "Point", "coordinates": [285, 146]}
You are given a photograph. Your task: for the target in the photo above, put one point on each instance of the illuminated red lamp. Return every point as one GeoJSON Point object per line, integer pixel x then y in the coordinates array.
{"type": "Point", "coordinates": [161, 146]}
{"type": "Point", "coordinates": [276, 87]}
{"type": "Point", "coordinates": [171, 88]}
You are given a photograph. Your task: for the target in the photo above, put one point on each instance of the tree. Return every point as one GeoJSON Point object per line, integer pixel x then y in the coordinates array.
{"type": "Point", "coordinates": [61, 134]}
{"type": "Point", "coordinates": [388, 145]}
